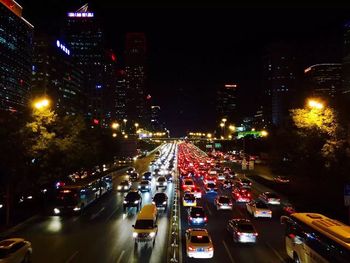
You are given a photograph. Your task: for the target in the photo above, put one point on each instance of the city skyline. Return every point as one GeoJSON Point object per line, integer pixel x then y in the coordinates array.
{"type": "Point", "coordinates": [185, 69]}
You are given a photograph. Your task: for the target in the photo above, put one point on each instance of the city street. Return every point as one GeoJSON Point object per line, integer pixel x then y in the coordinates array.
{"type": "Point", "coordinates": [102, 234]}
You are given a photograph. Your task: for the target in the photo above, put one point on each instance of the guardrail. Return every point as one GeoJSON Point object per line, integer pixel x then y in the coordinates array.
{"type": "Point", "coordinates": [174, 239]}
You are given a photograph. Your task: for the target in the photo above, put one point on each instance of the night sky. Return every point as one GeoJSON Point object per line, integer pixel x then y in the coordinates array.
{"type": "Point", "coordinates": [195, 49]}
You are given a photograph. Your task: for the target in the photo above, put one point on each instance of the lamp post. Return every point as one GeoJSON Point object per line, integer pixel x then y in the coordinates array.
{"type": "Point", "coordinates": [41, 104]}
{"type": "Point", "coordinates": [222, 125]}
{"type": "Point", "coordinates": [315, 104]}
{"type": "Point", "coordinates": [124, 121]}
{"type": "Point", "coordinates": [115, 125]}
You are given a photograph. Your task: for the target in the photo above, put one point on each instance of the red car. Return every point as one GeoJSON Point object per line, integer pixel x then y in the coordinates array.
{"type": "Point", "coordinates": [241, 195]}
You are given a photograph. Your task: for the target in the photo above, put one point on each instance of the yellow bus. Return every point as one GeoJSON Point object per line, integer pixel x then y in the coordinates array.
{"type": "Point", "coordinates": [312, 238]}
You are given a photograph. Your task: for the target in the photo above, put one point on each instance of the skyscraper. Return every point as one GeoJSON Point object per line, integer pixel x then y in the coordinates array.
{"type": "Point", "coordinates": [324, 80]}
{"type": "Point", "coordinates": [279, 81]}
{"type": "Point", "coordinates": [120, 96]}
{"type": "Point", "coordinates": [15, 57]}
{"type": "Point", "coordinates": [83, 33]}
{"type": "Point", "coordinates": [135, 58]}
{"type": "Point", "coordinates": [227, 102]}
{"type": "Point", "coordinates": [346, 61]}
{"type": "Point", "coordinates": [156, 124]}
{"type": "Point", "coordinates": [55, 73]}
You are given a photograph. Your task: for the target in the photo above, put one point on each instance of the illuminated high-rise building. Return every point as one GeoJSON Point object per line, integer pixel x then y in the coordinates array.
{"type": "Point", "coordinates": [120, 96]}
{"type": "Point", "coordinates": [16, 35]}
{"type": "Point", "coordinates": [279, 81]}
{"type": "Point", "coordinates": [55, 74]}
{"type": "Point", "coordinates": [83, 33]}
{"type": "Point", "coordinates": [227, 102]}
{"type": "Point", "coordinates": [324, 80]}
{"type": "Point", "coordinates": [135, 62]}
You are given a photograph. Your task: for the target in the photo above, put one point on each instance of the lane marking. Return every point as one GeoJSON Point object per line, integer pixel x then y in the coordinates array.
{"type": "Point", "coordinates": [114, 211]}
{"type": "Point", "coordinates": [228, 252]}
{"type": "Point", "coordinates": [275, 252]}
{"type": "Point", "coordinates": [95, 215]}
{"type": "Point", "coordinates": [72, 257]}
{"type": "Point", "coordinates": [121, 256]}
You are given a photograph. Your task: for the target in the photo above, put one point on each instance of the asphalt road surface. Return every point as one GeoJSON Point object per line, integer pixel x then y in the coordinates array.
{"type": "Point", "coordinates": [101, 234]}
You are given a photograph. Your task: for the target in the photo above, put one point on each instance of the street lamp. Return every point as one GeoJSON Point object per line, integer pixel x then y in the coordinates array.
{"type": "Point", "coordinates": [223, 120]}
{"type": "Point", "coordinates": [136, 126]}
{"type": "Point", "coordinates": [315, 104]}
{"type": "Point", "coordinates": [114, 135]}
{"type": "Point", "coordinates": [115, 125]}
{"type": "Point", "coordinates": [232, 128]}
{"type": "Point", "coordinates": [41, 104]}
{"type": "Point", "coordinates": [264, 133]}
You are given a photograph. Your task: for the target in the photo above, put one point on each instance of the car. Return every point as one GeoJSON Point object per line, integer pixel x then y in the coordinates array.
{"type": "Point", "coordinates": [161, 182]}
{"type": "Point", "coordinates": [258, 209]}
{"type": "Point", "coordinates": [223, 202]}
{"type": "Point", "coordinates": [195, 191]}
{"type": "Point", "coordinates": [227, 184]}
{"type": "Point", "coordinates": [134, 176]}
{"type": "Point", "coordinates": [189, 200]}
{"type": "Point", "coordinates": [209, 179]}
{"type": "Point", "coordinates": [188, 184]}
{"type": "Point", "coordinates": [15, 250]}
{"type": "Point", "coordinates": [199, 243]}
{"type": "Point", "coordinates": [242, 194]}
{"type": "Point", "coordinates": [270, 198]}
{"type": "Point", "coordinates": [147, 176]}
{"type": "Point", "coordinates": [245, 182]}
{"type": "Point", "coordinates": [169, 177]}
{"type": "Point", "coordinates": [221, 176]}
{"type": "Point", "coordinates": [132, 199]}
{"type": "Point", "coordinates": [130, 170]}
{"type": "Point", "coordinates": [196, 216]}
{"type": "Point", "coordinates": [210, 188]}
{"type": "Point", "coordinates": [230, 176]}
{"type": "Point", "coordinates": [124, 185]}
{"type": "Point", "coordinates": [145, 186]}
{"type": "Point", "coordinates": [160, 200]}
{"type": "Point", "coordinates": [242, 230]}
{"type": "Point", "coordinates": [227, 169]}
{"type": "Point", "coordinates": [281, 179]}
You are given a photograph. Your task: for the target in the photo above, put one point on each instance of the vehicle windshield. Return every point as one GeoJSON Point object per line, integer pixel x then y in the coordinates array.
{"type": "Point", "coordinates": [224, 200]}
{"type": "Point", "coordinates": [188, 183]}
{"type": "Point", "coordinates": [144, 182]}
{"type": "Point", "coordinates": [132, 195]}
{"type": "Point", "coordinates": [144, 224]}
{"type": "Point", "coordinates": [66, 198]}
{"type": "Point", "coordinates": [211, 185]}
{"type": "Point", "coordinates": [261, 205]}
{"type": "Point", "coordinates": [161, 179]}
{"type": "Point", "coordinates": [189, 197]}
{"type": "Point", "coordinates": [200, 239]}
{"type": "Point", "coordinates": [246, 228]}
{"type": "Point", "coordinates": [159, 197]}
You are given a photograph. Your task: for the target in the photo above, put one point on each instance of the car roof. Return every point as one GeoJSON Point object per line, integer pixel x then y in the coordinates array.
{"type": "Point", "coordinates": [241, 220]}
{"type": "Point", "coordinates": [7, 243]}
{"type": "Point", "coordinates": [198, 232]}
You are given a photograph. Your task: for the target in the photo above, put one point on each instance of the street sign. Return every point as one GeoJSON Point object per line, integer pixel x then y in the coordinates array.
{"type": "Point", "coordinates": [347, 195]}
{"type": "Point", "coordinates": [217, 145]}
{"type": "Point", "coordinates": [208, 146]}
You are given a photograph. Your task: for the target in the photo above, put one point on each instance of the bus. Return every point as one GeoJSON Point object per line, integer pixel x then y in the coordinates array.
{"type": "Point", "coordinates": [73, 197]}
{"type": "Point", "coordinates": [311, 238]}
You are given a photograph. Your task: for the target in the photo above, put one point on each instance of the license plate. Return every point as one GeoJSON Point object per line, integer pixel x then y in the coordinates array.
{"type": "Point", "coordinates": [264, 213]}
{"type": "Point", "coordinates": [200, 249]}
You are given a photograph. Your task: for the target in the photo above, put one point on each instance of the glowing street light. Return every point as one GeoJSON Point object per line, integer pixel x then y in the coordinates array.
{"type": "Point", "coordinates": [264, 133]}
{"type": "Point", "coordinates": [224, 120]}
{"type": "Point", "coordinates": [253, 129]}
{"type": "Point", "coordinates": [41, 103]}
{"type": "Point", "coordinates": [114, 135]}
{"type": "Point", "coordinates": [125, 136]}
{"type": "Point", "coordinates": [314, 104]}
{"type": "Point", "coordinates": [232, 127]}
{"type": "Point", "coordinates": [209, 135]}
{"type": "Point", "coordinates": [115, 125]}
{"type": "Point", "coordinates": [136, 125]}
{"type": "Point", "coordinates": [222, 125]}
{"type": "Point", "coordinates": [230, 137]}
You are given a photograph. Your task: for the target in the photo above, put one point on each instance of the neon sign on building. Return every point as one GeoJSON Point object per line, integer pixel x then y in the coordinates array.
{"type": "Point", "coordinates": [63, 47]}
{"type": "Point", "coordinates": [81, 14]}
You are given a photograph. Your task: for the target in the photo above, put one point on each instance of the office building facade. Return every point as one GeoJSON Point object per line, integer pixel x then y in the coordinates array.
{"type": "Point", "coordinates": [16, 35]}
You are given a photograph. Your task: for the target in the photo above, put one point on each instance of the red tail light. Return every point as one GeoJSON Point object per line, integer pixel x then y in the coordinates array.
{"type": "Point", "coordinates": [205, 218]}
{"type": "Point", "coordinates": [190, 218]}
{"type": "Point", "coordinates": [255, 234]}
{"type": "Point", "coordinates": [210, 248]}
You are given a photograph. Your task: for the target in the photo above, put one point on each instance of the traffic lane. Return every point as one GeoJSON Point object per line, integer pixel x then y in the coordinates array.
{"type": "Point", "coordinates": [267, 249]}
{"type": "Point", "coordinates": [66, 234]}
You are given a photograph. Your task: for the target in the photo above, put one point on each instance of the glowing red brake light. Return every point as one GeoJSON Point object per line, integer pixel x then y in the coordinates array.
{"type": "Point", "coordinates": [239, 233]}
{"type": "Point", "coordinates": [191, 248]}
{"type": "Point", "coordinates": [255, 234]}
{"type": "Point", "coordinates": [210, 248]}
{"type": "Point", "coordinates": [205, 218]}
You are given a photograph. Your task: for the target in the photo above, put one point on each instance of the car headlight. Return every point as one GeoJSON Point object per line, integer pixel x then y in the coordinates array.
{"type": "Point", "coordinates": [136, 202]}
{"type": "Point", "coordinates": [76, 208]}
{"type": "Point", "coordinates": [139, 186]}
{"type": "Point", "coordinates": [165, 183]}
{"type": "Point", "coordinates": [56, 211]}
{"type": "Point", "coordinates": [119, 187]}
{"type": "Point", "coordinates": [164, 203]}
{"type": "Point", "coordinates": [152, 234]}
{"type": "Point", "coordinates": [125, 202]}
{"type": "Point", "coordinates": [153, 202]}
{"type": "Point", "coordinates": [134, 234]}
{"type": "Point", "coordinates": [157, 183]}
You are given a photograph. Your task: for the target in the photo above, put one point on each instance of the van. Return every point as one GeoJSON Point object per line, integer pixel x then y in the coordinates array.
{"type": "Point", "coordinates": [145, 228]}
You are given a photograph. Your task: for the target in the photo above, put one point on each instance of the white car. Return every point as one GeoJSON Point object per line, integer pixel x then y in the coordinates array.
{"type": "Point", "coordinates": [258, 209]}
{"type": "Point", "coordinates": [198, 243]}
{"type": "Point", "coordinates": [270, 198]}
{"type": "Point", "coordinates": [15, 250]}
{"type": "Point", "coordinates": [223, 202]}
